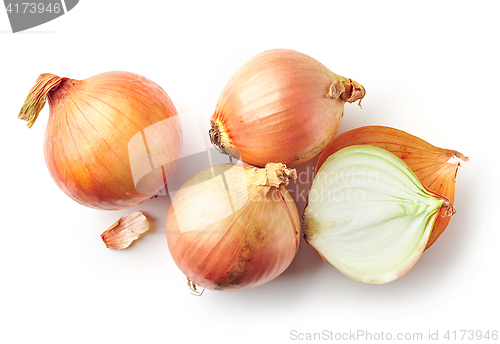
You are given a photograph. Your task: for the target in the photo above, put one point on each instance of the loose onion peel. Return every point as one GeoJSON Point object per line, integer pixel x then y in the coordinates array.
{"type": "Point", "coordinates": [125, 231]}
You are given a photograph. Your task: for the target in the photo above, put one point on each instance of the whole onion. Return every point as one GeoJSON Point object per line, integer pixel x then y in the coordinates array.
{"type": "Point", "coordinates": [234, 227]}
{"type": "Point", "coordinates": [112, 140]}
{"type": "Point", "coordinates": [281, 106]}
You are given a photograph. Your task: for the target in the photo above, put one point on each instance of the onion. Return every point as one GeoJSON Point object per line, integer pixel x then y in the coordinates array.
{"type": "Point", "coordinates": [112, 141]}
{"type": "Point", "coordinates": [436, 168]}
{"type": "Point", "coordinates": [234, 227]}
{"type": "Point", "coordinates": [369, 215]}
{"type": "Point", "coordinates": [281, 106]}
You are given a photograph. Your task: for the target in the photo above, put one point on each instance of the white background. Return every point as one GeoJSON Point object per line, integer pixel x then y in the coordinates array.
{"type": "Point", "coordinates": [429, 68]}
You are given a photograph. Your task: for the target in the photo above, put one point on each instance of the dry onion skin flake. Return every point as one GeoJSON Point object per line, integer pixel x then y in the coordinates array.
{"type": "Point", "coordinates": [233, 227]}
{"type": "Point", "coordinates": [126, 230]}
{"type": "Point", "coordinates": [369, 215]}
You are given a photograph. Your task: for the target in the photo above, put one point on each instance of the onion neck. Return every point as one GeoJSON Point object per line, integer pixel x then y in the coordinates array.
{"type": "Point", "coordinates": [35, 101]}
{"type": "Point", "coordinates": [447, 209]}
{"type": "Point", "coordinates": [274, 174]}
{"type": "Point", "coordinates": [346, 89]}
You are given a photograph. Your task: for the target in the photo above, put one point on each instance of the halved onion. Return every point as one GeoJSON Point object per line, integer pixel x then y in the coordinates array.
{"type": "Point", "coordinates": [435, 167]}
{"type": "Point", "coordinates": [369, 215]}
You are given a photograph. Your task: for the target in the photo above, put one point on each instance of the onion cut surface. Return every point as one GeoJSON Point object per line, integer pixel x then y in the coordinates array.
{"type": "Point", "coordinates": [369, 215]}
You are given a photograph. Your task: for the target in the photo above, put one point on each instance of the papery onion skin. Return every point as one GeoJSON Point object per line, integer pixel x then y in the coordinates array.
{"type": "Point", "coordinates": [430, 164]}
{"type": "Point", "coordinates": [282, 105]}
{"type": "Point", "coordinates": [92, 126]}
{"type": "Point", "coordinates": [252, 243]}
{"type": "Point", "coordinates": [125, 231]}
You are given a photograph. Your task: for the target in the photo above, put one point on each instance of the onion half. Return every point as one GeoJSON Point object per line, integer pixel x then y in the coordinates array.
{"type": "Point", "coordinates": [435, 167]}
{"type": "Point", "coordinates": [112, 140]}
{"type": "Point", "coordinates": [369, 215]}
{"type": "Point", "coordinates": [234, 227]}
{"type": "Point", "coordinates": [283, 106]}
